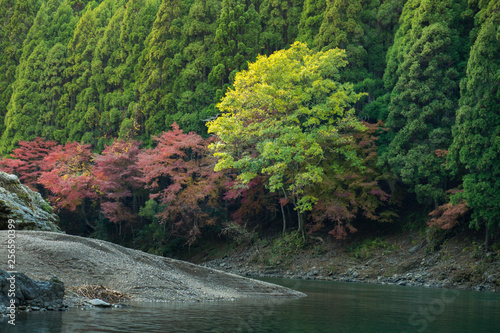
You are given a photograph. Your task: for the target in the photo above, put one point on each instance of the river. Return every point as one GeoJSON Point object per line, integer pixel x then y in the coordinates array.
{"type": "Point", "coordinates": [330, 307]}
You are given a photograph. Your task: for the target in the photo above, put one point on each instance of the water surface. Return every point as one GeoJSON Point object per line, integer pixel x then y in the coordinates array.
{"type": "Point", "coordinates": [329, 307]}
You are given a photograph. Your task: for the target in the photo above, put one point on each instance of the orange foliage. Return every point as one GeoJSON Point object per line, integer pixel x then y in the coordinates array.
{"type": "Point", "coordinates": [448, 215]}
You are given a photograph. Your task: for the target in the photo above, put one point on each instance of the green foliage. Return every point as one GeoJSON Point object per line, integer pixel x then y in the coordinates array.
{"type": "Point", "coordinates": [288, 244]}
{"type": "Point", "coordinates": [341, 24]}
{"type": "Point", "coordinates": [281, 20]}
{"type": "Point", "coordinates": [236, 42]}
{"type": "Point", "coordinates": [370, 247]}
{"type": "Point", "coordinates": [285, 114]}
{"type": "Point", "coordinates": [46, 207]}
{"type": "Point", "coordinates": [16, 19]}
{"type": "Point", "coordinates": [423, 72]}
{"type": "Point", "coordinates": [150, 210]}
{"type": "Point", "coordinates": [239, 233]}
{"type": "Point", "coordinates": [475, 151]}
{"type": "Point", "coordinates": [35, 93]}
{"type": "Point", "coordinates": [285, 247]}
{"type": "Point", "coordinates": [310, 21]}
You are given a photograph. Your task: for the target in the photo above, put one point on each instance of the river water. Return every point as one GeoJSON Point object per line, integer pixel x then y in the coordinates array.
{"type": "Point", "coordinates": [329, 307]}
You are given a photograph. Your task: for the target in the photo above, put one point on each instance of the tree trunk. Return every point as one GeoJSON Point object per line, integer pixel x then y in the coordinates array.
{"type": "Point", "coordinates": [83, 215]}
{"type": "Point", "coordinates": [487, 237]}
{"type": "Point", "coordinates": [284, 218]}
{"type": "Point", "coordinates": [301, 227]}
{"type": "Point", "coordinates": [134, 203]}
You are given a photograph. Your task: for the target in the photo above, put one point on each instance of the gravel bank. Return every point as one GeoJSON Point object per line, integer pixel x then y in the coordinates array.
{"type": "Point", "coordinates": [77, 261]}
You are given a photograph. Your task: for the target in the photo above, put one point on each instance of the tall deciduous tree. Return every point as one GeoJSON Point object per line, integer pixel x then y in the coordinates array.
{"type": "Point", "coordinates": [284, 117]}
{"type": "Point", "coordinates": [352, 196]}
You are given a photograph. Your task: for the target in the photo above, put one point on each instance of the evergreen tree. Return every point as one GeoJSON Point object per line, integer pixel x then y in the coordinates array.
{"type": "Point", "coordinates": [475, 151]}
{"type": "Point", "coordinates": [38, 82]}
{"type": "Point", "coordinates": [16, 19]}
{"type": "Point", "coordinates": [341, 26]}
{"type": "Point", "coordinates": [105, 83]}
{"type": "Point", "coordinates": [364, 28]}
{"type": "Point", "coordinates": [158, 69]}
{"type": "Point", "coordinates": [425, 95]}
{"type": "Point", "coordinates": [311, 20]}
{"type": "Point", "coordinates": [195, 101]}
{"type": "Point", "coordinates": [381, 26]}
{"type": "Point", "coordinates": [280, 19]}
{"type": "Point", "coordinates": [136, 26]}
{"type": "Point", "coordinates": [78, 114]}
{"type": "Point", "coordinates": [52, 90]}
{"type": "Point", "coordinates": [236, 42]}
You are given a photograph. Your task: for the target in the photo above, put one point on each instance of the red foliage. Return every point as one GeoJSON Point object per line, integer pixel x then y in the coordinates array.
{"type": "Point", "coordinates": [352, 193]}
{"type": "Point", "coordinates": [181, 174]}
{"type": "Point", "coordinates": [336, 212]}
{"type": "Point", "coordinates": [116, 174]}
{"type": "Point", "coordinates": [448, 215]}
{"type": "Point", "coordinates": [253, 199]}
{"type": "Point", "coordinates": [68, 175]}
{"type": "Point", "coordinates": [27, 160]}
{"type": "Point", "coordinates": [441, 152]}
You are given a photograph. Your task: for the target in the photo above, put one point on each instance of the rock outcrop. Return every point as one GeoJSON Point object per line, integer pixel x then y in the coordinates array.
{"type": "Point", "coordinates": [26, 207]}
{"type": "Point", "coordinates": [26, 292]}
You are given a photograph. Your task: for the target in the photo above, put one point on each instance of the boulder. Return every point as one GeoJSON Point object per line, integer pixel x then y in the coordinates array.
{"type": "Point", "coordinates": [26, 207]}
{"type": "Point", "coordinates": [99, 303]}
{"type": "Point", "coordinates": [38, 294]}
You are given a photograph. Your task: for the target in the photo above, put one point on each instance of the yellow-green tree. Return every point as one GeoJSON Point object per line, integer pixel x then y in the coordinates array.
{"type": "Point", "coordinates": [286, 115]}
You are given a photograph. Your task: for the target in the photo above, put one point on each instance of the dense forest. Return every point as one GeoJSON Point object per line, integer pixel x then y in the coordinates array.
{"type": "Point", "coordinates": [156, 123]}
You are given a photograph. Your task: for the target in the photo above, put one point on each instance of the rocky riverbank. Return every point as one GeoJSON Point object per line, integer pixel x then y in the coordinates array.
{"type": "Point", "coordinates": [397, 262]}
{"type": "Point", "coordinates": [423, 279]}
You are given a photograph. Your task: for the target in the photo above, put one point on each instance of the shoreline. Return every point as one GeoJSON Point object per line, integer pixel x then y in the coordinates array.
{"type": "Point", "coordinates": [408, 279]}
{"type": "Point", "coordinates": [455, 265]}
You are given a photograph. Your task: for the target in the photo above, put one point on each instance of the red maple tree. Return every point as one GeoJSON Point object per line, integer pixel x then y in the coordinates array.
{"type": "Point", "coordinates": [68, 175]}
{"type": "Point", "coordinates": [116, 176]}
{"type": "Point", "coordinates": [179, 172]}
{"type": "Point", "coordinates": [27, 160]}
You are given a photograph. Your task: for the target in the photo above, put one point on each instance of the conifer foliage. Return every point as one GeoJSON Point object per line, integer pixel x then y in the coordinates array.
{"type": "Point", "coordinates": [475, 151]}
{"type": "Point", "coordinates": [427, 53]}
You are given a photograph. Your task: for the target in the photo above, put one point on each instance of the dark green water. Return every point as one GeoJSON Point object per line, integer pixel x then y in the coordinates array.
{"type": "Point", "coordinates": [330, 307]}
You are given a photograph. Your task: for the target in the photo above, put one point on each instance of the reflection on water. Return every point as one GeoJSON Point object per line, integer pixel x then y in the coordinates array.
{"type": "Point", "coordinates": [329, 307]}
